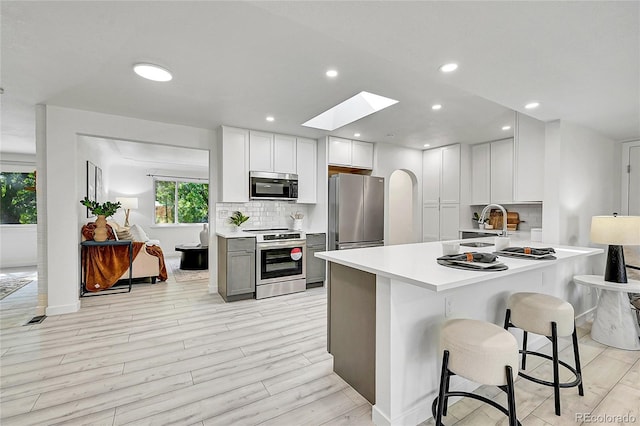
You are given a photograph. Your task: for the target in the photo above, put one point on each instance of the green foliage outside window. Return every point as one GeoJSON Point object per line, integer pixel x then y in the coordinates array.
{"type": "Point", "coordinates": [18, 198]}
{"type": "Point", "coordinates": [191, 200]}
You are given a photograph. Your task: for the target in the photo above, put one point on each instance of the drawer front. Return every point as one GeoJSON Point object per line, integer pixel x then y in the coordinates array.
{"type": "Point", "coordinates": [241, 244]}
{"type": "Point", "coordinates": [316, 240]}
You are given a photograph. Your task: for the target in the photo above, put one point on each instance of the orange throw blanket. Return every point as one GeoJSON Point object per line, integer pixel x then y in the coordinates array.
{"type": "Point", "coordinates": [104, 265]}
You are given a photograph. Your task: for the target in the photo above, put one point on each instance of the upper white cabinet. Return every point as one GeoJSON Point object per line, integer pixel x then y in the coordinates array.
{"type": "Point", "coordinates": [529, 159]}
{"type": "Point", "coordinates": [272, 153]}
{"type": "Point", "coordinates": [481, 174]}
{"type": "Point", "coordinates": [260, 151]}
{"type": "Point", "coordinates": [441, 175]}
{"type": "Point", "coordinates": [306, 155]}
{"type": "Point", "coordinates": [284, 154]}
{"type": "Point", "coordinates": [233, 171]}
{"type": "Point", "coordinates": [347, 153]}
{"type": "Point", "coordinates": [362, 155]}
{"type": "Point", "coordinates": [502, 171]}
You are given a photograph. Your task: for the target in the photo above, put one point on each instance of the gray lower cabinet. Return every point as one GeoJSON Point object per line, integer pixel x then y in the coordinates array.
{"type": "Point", "coordinates": [236, 268]}
{"type": "Point", "coordinates": [316, 268]}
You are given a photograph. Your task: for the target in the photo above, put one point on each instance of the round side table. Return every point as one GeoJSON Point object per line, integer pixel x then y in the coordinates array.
{"type": "Point", "coordinates": [615, 323]}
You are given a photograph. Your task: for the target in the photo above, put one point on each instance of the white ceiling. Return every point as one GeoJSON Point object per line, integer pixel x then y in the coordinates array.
{"type": "Point", "coordinates": [236, 62]}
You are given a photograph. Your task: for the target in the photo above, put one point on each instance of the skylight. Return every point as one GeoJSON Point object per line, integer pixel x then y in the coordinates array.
{"type": "Point", "coordinates": [354, 108]}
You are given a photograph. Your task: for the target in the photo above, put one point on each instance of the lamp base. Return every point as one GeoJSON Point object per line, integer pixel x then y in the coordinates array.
{"type": "Point", "coordinates": [126, 218]}
{"type": "Point", "coordinates": [616, 270]}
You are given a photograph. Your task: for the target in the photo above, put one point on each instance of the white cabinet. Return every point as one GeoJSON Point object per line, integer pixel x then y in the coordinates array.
{"type": "Point", "coordinates": [529, 159]}
{"type": "Point", "coordinates": [306, 160]}
{"type": "Point", "coordinates": [284, 154]}
{"type": "Point", "coordinates": [492, 172]}
{"type": "Point", "coordinates": [502, 171]}
{"type": "Point", "coordinates": [272, 153]}
{"type": "Point", "coordinates": [347, 153]}
{"type": "Point", "coordinates": [441, 175]}
{"type": "Point", "coordinates": [233, 170]}
{"type": "Point", "coordinates": [362, 155]}
{"type": "Point", "coordinates": [481, 174]}
{"type": "Point", "coordinates": [441, 193]}
{"type": "Point", "coordinates": [339, 152]}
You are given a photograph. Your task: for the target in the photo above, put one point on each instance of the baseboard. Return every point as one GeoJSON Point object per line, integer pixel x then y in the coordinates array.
{"type": "Point", "coordinates": [585, 316]}
{"type": "Point", "coordinates": [62, 309]}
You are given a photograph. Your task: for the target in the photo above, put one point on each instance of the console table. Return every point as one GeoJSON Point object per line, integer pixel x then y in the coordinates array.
{"type": "Point", "coordinates": [193, 257]}
{"type": "Point", "coordinates": [88, 247]}
{"type": "Point", "coordinates": [615, 322]}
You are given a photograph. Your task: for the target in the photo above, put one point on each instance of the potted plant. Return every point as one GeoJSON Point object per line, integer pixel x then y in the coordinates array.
{"type": "Point", "coordinates": [103, 211]}
{"type": "Point", "coordinates": [237, 219]}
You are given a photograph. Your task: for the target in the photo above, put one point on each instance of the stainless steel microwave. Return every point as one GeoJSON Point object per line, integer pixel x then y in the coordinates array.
{"type": "Point", "coordinates": [273, 186]}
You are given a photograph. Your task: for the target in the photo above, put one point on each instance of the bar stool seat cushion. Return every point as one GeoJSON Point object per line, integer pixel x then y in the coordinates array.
{"type": "Point", "coordinates": [534, 312]}
{"type": "Point", "coordinates": [479, 351]}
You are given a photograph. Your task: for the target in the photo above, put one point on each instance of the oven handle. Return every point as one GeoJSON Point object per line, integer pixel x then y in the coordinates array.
{"type": "Point", "coordinates": [279, 244]}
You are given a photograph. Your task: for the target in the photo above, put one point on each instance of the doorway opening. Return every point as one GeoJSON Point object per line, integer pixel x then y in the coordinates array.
{"type": "Point", "coordinates": [402, 187]}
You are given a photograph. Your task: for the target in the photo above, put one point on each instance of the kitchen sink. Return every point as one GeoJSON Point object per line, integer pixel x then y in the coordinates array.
{"type": "Point", "coordinates": [476, 244]}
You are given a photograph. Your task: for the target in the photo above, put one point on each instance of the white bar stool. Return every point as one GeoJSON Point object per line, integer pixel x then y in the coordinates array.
{"type": "Point", "coordinates": [550, 317]}
{"type": "Point", "coordinates": [483, 353]}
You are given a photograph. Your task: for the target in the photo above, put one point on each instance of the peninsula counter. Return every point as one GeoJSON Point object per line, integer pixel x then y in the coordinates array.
{"type": "Point", "coordinates": [386, 306]}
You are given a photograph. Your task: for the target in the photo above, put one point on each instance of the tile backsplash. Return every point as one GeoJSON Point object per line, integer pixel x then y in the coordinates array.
{"type": "Point", "coordinates": [262, 214]}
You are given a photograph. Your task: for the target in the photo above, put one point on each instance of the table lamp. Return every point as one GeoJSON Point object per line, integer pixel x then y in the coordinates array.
{"type": "Point", "coordinates": [616, 231]}
{"type": "Point", "coordinates": [127, 203]}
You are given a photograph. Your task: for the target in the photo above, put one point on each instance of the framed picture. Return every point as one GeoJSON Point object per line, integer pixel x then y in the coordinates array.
{"type": "Point", "coordinates": [91, 183]}
{"type": "Point", "coordinates": [99, 190]}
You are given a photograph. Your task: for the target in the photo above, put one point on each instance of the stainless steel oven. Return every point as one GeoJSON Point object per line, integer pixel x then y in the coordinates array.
{"type": "Point", "coordinates": [280, 263]}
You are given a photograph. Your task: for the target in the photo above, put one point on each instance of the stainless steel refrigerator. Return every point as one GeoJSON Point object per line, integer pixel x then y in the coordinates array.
{"type": "Point", "coordinates": [356, 211]}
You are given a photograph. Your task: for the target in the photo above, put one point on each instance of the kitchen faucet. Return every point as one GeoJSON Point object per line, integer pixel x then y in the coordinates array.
{"type": "Point", "coordinates": [504, 217]}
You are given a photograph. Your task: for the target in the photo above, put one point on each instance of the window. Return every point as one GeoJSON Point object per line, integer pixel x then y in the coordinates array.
{"type": "Point", "coordinates": [18, 198]}
{"type": "Point", "coordinates": [181, 201]}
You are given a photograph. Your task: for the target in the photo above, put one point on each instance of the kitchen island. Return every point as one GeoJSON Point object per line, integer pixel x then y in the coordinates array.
{"type": "Point", "coordinates": [386, 306]}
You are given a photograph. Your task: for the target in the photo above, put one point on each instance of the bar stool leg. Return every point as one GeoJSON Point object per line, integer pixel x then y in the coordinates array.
{"type": "Point", "coordinates": [556, 368]}
{"type": "Point", "coordinates": [576, 357]}
{"type": "Point", "coordinates": [511, 398]}
{"type": "Point", "coordinates": [444, 376]}
{"type": "Point", "coordinates": [524, 350]}
{"type": "Point", "coordinates": [446, 398]}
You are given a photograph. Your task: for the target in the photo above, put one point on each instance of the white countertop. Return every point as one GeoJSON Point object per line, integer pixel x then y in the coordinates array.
{"type": "Point", "coordinates": [416, 263]}
{"type": "Point", "coordinates": [228, 233]}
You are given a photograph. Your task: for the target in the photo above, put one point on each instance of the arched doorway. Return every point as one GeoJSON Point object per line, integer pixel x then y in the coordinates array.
{"type": "Point", "coordinates": [401, 195]}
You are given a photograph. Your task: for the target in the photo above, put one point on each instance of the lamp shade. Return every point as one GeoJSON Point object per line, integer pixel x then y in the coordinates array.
{"type": "Point", "coordinates": [616, 230]}
{"type": "Point", "coordinates": [128, 202]}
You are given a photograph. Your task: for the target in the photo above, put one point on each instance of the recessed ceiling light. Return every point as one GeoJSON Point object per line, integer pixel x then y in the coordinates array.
{"type": "Point", "coordinates": [331, 73]}
{"type": "Point", "coordinates": [152, 72]}
{"type": "Point", "coordinates": [449, 67]}
{"type": "Point", "coordinates": [426, 145]}
{"type": "Point", "coordinates": [532, 105]}
{"type": "Point", "coordinates": [354, 108]}
{"type": "Point", "coordinates": [357, 135]}
{"type": "Point", "coordinates": [506, 127]}
{"type": "Point", "coordinates": [270, 118]}
{"type": "Point", "coordinates": [436, 107]}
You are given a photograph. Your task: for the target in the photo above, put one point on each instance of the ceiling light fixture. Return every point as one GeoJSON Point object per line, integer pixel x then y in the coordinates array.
{"type": "Point", "coordinates": [354, 108]}
{"type": "Point", "coordinates": [357, 135]}
{"type": "Point", "coordinates": [426, 145]}
{"type": "Point", "coordinates": [270, 118]}
{"type": "Point", "coordinates": [152, 72]}
{"type": "Point", "coordinates": [506, 127]}
{"type": "Point", "coordinates": [449, 67]}
{"type": "Point", "coordinates": [532, 105]}
{"type": "Point", "coordinates": [436, 107]}
{"type": "Point", "coordinates": [331, 73]}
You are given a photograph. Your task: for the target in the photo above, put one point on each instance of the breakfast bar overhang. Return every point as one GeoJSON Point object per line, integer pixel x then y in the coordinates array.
{"type": "Point", "coordinates": [386, 306]}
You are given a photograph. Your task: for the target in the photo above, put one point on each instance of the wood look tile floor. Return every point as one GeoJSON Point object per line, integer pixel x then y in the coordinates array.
{"type": "Point", "coordinates": [171, 353]}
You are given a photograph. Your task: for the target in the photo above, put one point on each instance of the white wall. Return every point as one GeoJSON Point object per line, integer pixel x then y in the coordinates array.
{"type": "Point", "coordinates": [582, 179]}
{"type": "Point", "coordinates": [58, 131]}
{"type": "Point", "coordinates": [19, 242]}
{"type": "Point", "coordinates": [389, 158]}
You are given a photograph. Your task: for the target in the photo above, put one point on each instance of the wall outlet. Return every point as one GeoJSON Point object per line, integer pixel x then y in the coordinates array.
{"type": "Point", "coordinates": [448, 306]}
